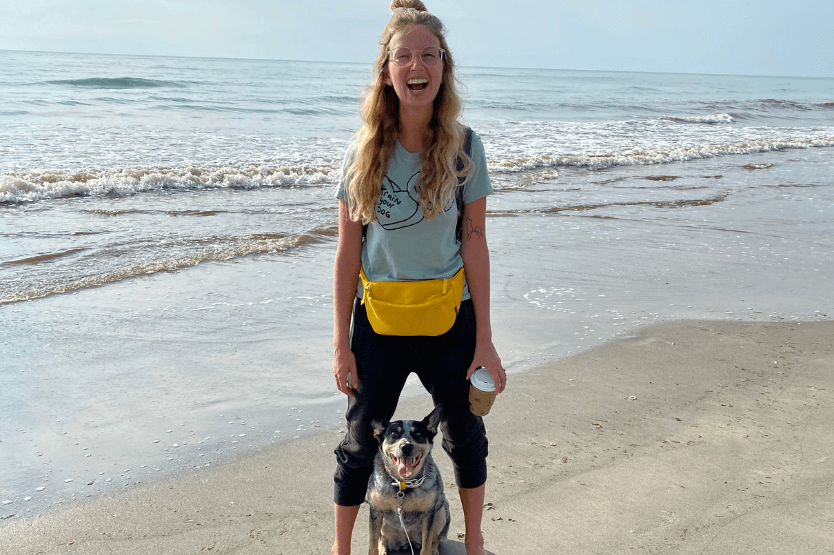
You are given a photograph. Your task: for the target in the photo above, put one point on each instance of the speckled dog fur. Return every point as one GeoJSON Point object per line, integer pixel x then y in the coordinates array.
{"type": "Point", "coordinates": [405, 446]}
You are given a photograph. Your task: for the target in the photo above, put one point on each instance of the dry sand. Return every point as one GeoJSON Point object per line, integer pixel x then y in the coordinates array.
{"type": "Point", "coordinates": [693, 437]}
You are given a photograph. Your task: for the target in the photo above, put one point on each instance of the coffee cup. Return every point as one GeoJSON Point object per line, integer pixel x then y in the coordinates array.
{"type": "Point", "coordinates": [481, 392]}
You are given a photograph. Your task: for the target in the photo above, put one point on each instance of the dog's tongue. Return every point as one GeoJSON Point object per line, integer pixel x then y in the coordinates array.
{"type": "Point", "coordinates": [405, 470]}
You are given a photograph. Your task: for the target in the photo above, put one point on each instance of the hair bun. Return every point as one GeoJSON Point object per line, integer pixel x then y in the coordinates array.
{"type": "Point", "coordinates": [413, 4]}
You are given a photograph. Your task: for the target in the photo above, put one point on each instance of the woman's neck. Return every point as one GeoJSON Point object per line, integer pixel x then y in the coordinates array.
{"type": "Point", "coordinates": [413, 123]}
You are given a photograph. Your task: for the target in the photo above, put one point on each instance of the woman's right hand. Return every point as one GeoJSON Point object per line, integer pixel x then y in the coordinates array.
{"type": "Point", "coordinates": [344, 370]}
{"type": "Point", "coordinates": [345, 279]}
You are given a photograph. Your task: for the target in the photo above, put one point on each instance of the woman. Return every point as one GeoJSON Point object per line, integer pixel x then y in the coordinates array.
{"type": "Point", "coordinates": [398, 221]}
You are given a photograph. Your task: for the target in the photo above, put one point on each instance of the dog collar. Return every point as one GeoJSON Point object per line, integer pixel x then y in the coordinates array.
{"type": "Point", "coordinates": [404, 484]}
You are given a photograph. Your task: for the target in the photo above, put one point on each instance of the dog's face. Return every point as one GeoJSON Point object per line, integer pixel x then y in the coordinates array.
{"type": "Point", "coordinates": [405, 443]}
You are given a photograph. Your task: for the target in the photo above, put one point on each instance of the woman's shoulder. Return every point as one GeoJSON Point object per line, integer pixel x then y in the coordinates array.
{"type": "Point", "coordinates": [476, 145]}
{"type": "Point", "coordinates": [476, 138]}
{"type": "Point", "coordinates": [345, 168]}
{"type": "Point", "coordinates": [351, 147]}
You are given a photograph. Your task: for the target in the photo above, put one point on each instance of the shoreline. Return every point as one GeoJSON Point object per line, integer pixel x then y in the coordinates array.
{"type": "Point", "coordinates": [143, 378]}
{"type": "Point", "coordinates": [734, 457]}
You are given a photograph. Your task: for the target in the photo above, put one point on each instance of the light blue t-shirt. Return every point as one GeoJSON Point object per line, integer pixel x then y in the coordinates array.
{"type": "Point", "coordinates": [402, 244]}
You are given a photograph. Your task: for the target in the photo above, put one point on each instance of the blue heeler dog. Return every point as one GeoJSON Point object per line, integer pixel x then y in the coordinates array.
{"type": "Point", "coordinates": [405, 492]}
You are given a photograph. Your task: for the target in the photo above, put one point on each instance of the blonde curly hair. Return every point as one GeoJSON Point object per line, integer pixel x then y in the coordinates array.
{"type": "Point", "coordinates": [376, 140]}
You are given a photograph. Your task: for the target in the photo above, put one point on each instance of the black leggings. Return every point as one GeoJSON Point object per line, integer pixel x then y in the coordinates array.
{"type": "Point", "coordinates": [383, 364]}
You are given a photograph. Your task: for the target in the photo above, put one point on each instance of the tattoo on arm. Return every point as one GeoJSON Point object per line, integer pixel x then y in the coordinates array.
{"type": "Point", "coordinates": [472, 230]}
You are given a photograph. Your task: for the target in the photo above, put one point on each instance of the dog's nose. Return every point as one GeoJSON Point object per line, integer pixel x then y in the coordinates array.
{"type": "Point", "coordinates": [407, 449]}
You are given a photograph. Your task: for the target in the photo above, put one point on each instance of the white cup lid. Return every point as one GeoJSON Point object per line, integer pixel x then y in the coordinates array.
{"type": "Point", "coordinates": [482, 380]}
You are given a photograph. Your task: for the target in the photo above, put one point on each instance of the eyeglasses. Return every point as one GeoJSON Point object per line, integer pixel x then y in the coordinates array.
{"type": "Point", "coordinates": [430, 55]}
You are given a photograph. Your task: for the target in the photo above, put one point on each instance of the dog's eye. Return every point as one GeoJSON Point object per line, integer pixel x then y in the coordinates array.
{"type": "Point", "coordinates": [417, 435]}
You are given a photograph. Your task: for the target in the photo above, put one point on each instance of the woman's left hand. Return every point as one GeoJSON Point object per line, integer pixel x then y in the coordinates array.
{"type": "Point", "coordinates": [487, 356]}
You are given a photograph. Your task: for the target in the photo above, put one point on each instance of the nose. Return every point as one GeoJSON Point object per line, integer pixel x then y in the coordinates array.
{"type": "Point", "coordinates": [407, 449]}
{"type": "Point", "coordinates": [417, 58]}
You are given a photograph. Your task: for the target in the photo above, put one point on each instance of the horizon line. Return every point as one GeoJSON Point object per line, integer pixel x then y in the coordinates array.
{"type": "Point", "coordinates": [371, 63]}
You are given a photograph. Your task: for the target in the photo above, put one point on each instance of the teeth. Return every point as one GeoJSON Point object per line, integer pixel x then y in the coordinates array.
{"type": "Point", "coordinates": [410, 462]}
{"type": "Point", "coordinates": [417, 81]}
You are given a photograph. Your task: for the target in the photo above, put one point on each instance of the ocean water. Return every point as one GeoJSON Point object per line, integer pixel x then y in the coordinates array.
{"type": "Point", "coordinates": [167, 228]}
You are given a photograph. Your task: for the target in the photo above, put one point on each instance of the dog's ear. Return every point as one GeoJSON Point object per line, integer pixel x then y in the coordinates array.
{"type": "Point", "coordinates": [379, 427]}
{"type": "Point", "coordinates": [432, 421]}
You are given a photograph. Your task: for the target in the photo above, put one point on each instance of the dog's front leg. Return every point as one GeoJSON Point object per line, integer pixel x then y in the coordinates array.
{"type": "Point", "coordinates": [376, 537]}
{"type": "Point", "coordinates": [437, 529]}
{"type": "Point", "coordinates": [425, 534]}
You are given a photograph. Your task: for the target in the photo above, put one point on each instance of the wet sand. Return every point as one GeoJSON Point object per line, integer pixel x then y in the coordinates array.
{"type": "Point", "coordinates": [687, 437]}
{"type": "Point", "coordinates": [125, 384]}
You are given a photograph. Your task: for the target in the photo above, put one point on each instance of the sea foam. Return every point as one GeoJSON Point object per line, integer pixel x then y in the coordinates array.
{"type": "Point", "coordinates": [712, 118]}
{"type": "Point", "coordinates": [40, 185]}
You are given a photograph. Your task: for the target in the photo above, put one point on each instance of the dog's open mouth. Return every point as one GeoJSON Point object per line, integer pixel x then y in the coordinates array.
{"type": "Point", "coordinates": [405, 466]}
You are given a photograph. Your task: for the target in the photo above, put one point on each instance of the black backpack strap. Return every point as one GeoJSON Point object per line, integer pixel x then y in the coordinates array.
{"type": "Point", "coordinates": [467, 148]}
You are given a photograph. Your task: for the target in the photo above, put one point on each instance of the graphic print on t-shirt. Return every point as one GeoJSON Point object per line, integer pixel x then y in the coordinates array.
{"type": "Point", "coordinates": [398, 206]}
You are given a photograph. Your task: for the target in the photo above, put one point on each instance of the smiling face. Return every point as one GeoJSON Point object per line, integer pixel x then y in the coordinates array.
{"type": "Point", "coordinates": [416, 84]}
{"type": "Point", "coordinates": [404, 448]}
{"type": "Point", "coordinates": [405, 444]}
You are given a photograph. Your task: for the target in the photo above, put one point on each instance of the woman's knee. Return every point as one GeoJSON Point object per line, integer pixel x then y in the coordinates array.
{"type": "Point", "coordinates": [464, 437]}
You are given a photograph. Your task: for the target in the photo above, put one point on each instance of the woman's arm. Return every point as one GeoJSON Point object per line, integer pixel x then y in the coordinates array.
{"type": "Point", "coordinates": [345, 278]}
{"type": "Point", "coordinates": [475, 254]}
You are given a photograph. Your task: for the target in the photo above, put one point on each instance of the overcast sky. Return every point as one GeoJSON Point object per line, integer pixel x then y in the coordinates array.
{"type": "Point", "coordinates": [752, 37]}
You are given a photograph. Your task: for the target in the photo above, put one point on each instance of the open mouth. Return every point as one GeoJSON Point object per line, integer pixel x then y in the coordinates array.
{"type": "Point", "coordinates": [405, 466]}
{"type": "Point", "coordinates": [417, 84]}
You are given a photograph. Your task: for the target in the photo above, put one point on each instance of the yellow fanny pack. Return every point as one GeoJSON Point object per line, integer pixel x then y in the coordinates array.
{"type": "Point", "coordinates": [425, 307]}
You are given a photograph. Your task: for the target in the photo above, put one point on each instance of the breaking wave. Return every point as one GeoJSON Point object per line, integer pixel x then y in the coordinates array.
{"type": "Point", "coordinates": [19, 187]}
{"type": "Point", "coordinates": [712, 118]}
{"type": "Point", "coordinates": [116, 83]}
{"type": "Point", "coordinates": [657, 154]}
{"type": "Point", "coordinates": [220, 249]}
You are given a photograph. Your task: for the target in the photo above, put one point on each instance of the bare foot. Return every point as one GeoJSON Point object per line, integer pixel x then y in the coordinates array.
{"type": "Point", "coordinates": [335, 550]}
{"type": "Point", "coordinates": [476, 546]}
